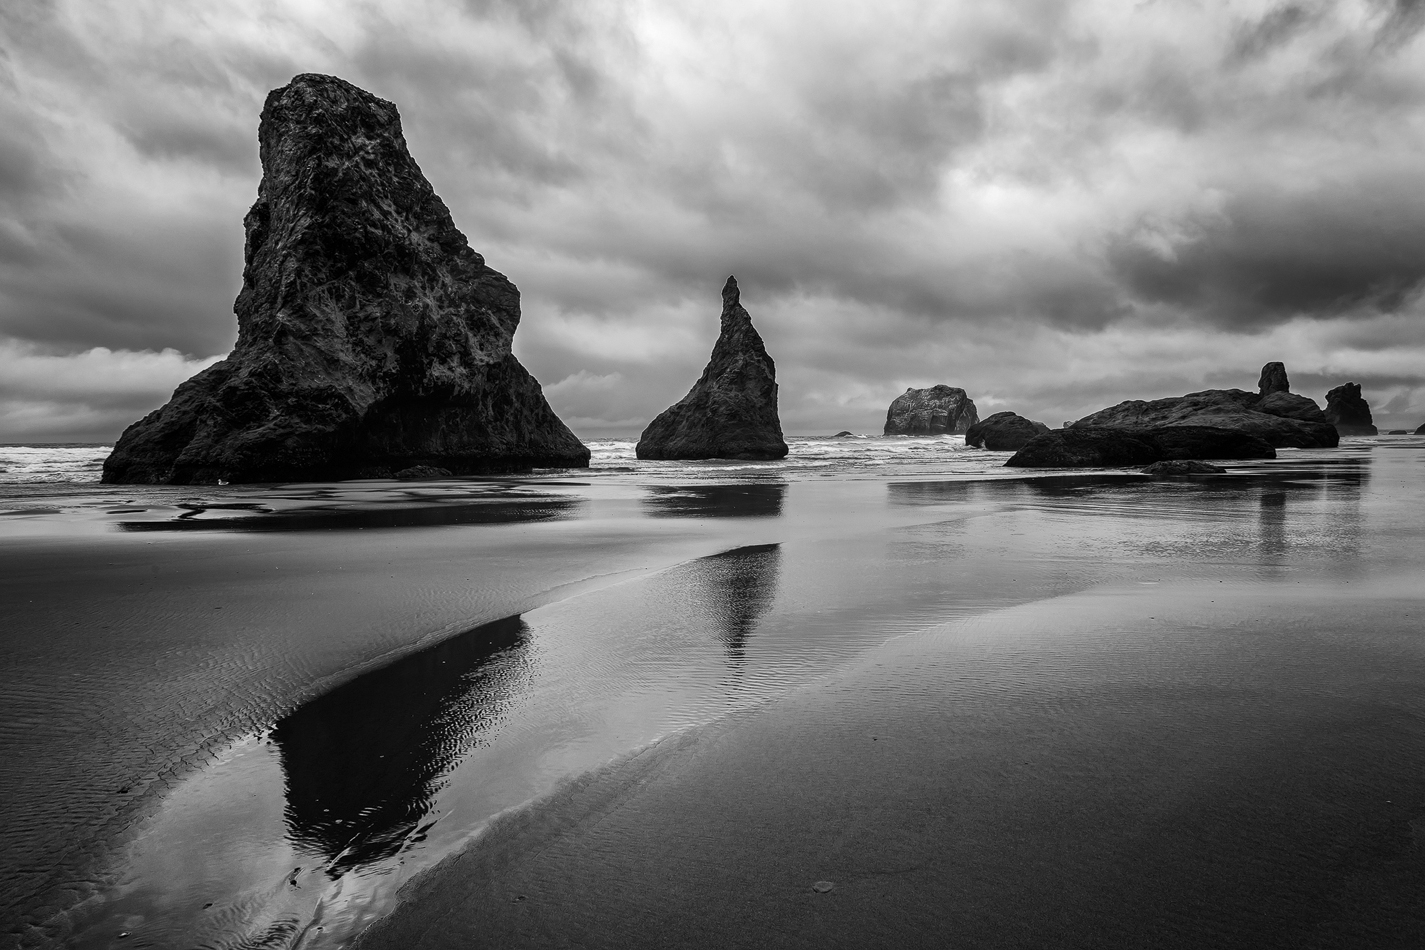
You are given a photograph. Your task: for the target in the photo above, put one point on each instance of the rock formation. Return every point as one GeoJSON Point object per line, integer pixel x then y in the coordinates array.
{"type": "Point", "coordinates": [731, 411]}
{"type": "Point", "coordinates": [1183, 467]}
{"type": "Point", "coordinates": [1421, 430]}
{"type": "Point", "coordinates": [933, 411]}
{"type": "Point", "coordinates": [1274, 415]}
{"type": "Point", "coordinates": [1273, 380]}
{"type": "Point", "coordinates": [371, 337]}
{"type": "Point", "coordinates": [1348, 411]}
{"type": "Point", "coordinates": [1123, 446]}
{"type": "Point", "coordinates": [1003, 432]}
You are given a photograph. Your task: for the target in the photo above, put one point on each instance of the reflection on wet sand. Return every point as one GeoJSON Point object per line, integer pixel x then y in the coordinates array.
{"type": "Point", "coordinates": [733, 590]}
{"type": "Point", "coordinates": [417, 513]}
{"type": "Point", "coordinates": [363, 762]}
{"type": "Point", "coordinates": [761, 500]}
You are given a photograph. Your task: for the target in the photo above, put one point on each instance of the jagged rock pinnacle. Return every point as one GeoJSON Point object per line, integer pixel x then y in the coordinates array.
{"type": "Point", "coordinates": [371, 337]}
{"type": "Point", "coordinates": [731, 411]}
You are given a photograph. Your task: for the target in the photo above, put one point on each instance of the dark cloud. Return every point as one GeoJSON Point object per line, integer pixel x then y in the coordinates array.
{"type": "Point", "coordinates": [1271, 255]}
{"type": "Point", "coordinates": [1275, 28]}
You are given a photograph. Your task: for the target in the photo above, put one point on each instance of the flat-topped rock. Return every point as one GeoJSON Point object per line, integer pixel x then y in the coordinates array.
{"type": "Point", "coordinates": [1179, 467]}
{"type": "Point", "coordinates": [934, 411]}
{"type": "Point", "coordinates": [371, 338]}
{"type": "Point", "coordinates": [1003, 432]}
{"type": "Point", "coordinates": [1124, 446]}
{"type": "Point", "coordinates": [1280, 419]}
{"type": "Point", "coordinates": [731, 411]}
{"type": "Point", "coordinates": [1348, 411]}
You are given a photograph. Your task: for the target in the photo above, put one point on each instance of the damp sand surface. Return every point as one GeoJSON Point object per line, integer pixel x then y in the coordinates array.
{"type": "Point", "coordinates": [1214, 735]}
{"type": "Point", "coordinates": [251, 717]}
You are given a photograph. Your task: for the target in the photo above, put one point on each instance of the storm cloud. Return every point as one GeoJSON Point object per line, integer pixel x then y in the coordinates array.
{"type": "Point", "coordinates": [1054, 204]}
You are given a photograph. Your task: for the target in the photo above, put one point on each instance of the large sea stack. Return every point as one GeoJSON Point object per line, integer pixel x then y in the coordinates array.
{"type": "Point", "coordinates": [1348, 410]}
{"type": "Point", "coordinates": [1275, 415]}
{"type": "Point", "coordinates": [371, 338]}
{"type": "Point", "coordinates": [935, 411]}
{"type": "Point", "coordinates": [731, 411]}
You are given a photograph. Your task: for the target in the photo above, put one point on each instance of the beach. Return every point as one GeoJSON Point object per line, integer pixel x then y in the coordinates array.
{"type": "Point", "coordinates": [656, 706]}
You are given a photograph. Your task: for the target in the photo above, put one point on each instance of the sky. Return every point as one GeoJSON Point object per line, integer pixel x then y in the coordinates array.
{"type": "Point", "coordinates": [1055, 205]}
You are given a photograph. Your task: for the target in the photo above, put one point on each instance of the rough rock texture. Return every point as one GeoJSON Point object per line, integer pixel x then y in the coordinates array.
{"type": "Point", "coordinates": [1348, 411]}
{"type": "Point", "coordinates": [1273, 380]}
{"type": "Point", "coordinates": [1003, 432]}
{"type": "Point", "coordinates": [731, 411]}
{"type": "Point", "coordinates": [1280, 419]}
{"type": "Point", "coordinates": [421, 472]}
{"type": "Point", "coordinates": [1183, 467]}
{"type": "Point", "coordinates": [1121, 446]}
{"type": "Point", "coordinates": [371, 337]}
{"type": "Point", "coordinates": [933, 411]}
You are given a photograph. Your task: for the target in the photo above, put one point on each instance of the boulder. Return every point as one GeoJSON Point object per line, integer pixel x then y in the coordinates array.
{"type": "Point", "coordinates": [421, 473]}
{"type": "Point", "coordinates": [1123, 446]}
{"type": "Point", "coordinates": [1421, 430]}
{"type": "Point", "coordinates": [934, 411]}
{"type": "Point", "coordinates": [1003, 432]}
{"type": "Point", "coordinates": [731, 411]}
{"type": "Point", "coordinates": [1398, 432]}
{"type": "Point", "coordinates": [1183, 467]}
{"type": "Point", "coordinates": [1229, 409]}
{"type": "Point", "coordinates": [1292, 406]}
{"type": "Point", "coordinates": [1086, 448]}
{"type": "Point", "coordinates": [371, 337]}
{"type": "Point", "coordinates": [844, 434]}
{"type": "Point", "coordinates": [1273, 380]}
{"type": "Point", "coordinates": [1348, 411]}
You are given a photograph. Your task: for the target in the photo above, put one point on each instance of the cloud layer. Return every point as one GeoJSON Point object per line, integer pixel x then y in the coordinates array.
{"type": "Point", "coordinates": [1054, 204]}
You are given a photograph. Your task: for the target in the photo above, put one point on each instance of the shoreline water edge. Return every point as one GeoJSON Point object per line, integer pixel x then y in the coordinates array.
{"type": "Point", "coordinates": [251, 715]}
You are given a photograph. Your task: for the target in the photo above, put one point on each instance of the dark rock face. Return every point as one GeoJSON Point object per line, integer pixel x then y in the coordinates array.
{"type": "Point", "coordinates": [1003, 432]}
{"type": "Point", "coordinates": [933, 411]}
{"type": "Point", "coordinates": [1280, 419]}
{"type": "Point", "coordinates": [1183, 467]}
{"type": "Point", "coordinates": [844, 434]}
{"type": "Point", "coordinates": [1421, 430]}
{"type": "Point", "coordinates": [731, 411]}
{"type": "Point", "coordinates": [371, 337]}
{"type": "Point", "coordinates": [421, 472]}
{"type": "Point", "coordinates": [1348, 411]}
{"type": "Point", "coordinates": [1273, 380]}
{"type": "Point", "coordinates": [1121, 447]}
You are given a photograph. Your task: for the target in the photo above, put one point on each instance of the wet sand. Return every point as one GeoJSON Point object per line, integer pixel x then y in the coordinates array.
{"type": "Point", "coordinates": [1189, 765]}
{"type": "Point", "coordinates": [245, 720]}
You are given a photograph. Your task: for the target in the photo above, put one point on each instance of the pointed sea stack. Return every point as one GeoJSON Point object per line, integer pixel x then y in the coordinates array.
{"type": "Point", "coordinates": [371, 337]}
{"type": "Point", "coordinates": [731, 411]}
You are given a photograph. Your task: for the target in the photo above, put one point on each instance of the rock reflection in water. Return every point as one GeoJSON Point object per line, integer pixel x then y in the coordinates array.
{"type": "Point", "coordinates": [760, 500]}
{"type": "Point", "coordinates": [363, 762]}
{"type": "Point", "coordinates": [734, 589]}
{"type": "Point", "coordinates": [409, 514]}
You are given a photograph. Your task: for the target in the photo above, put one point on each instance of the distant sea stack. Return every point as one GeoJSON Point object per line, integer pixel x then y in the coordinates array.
{"type": "Point", "coordinates": [731, 411]}
{"type": "Point", "coordinates": [1003, 432]}
{"type": "Point", "coordinates": [1275, 415]}
{"type": "Point", "coordinates": [1273, 380]}
{"type": "Point", "coordinates": [934, 411]}
{"type": "Point", "coordinates": [1348, 411]}
{"type": "Point", "coordinates": [371, 338]}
